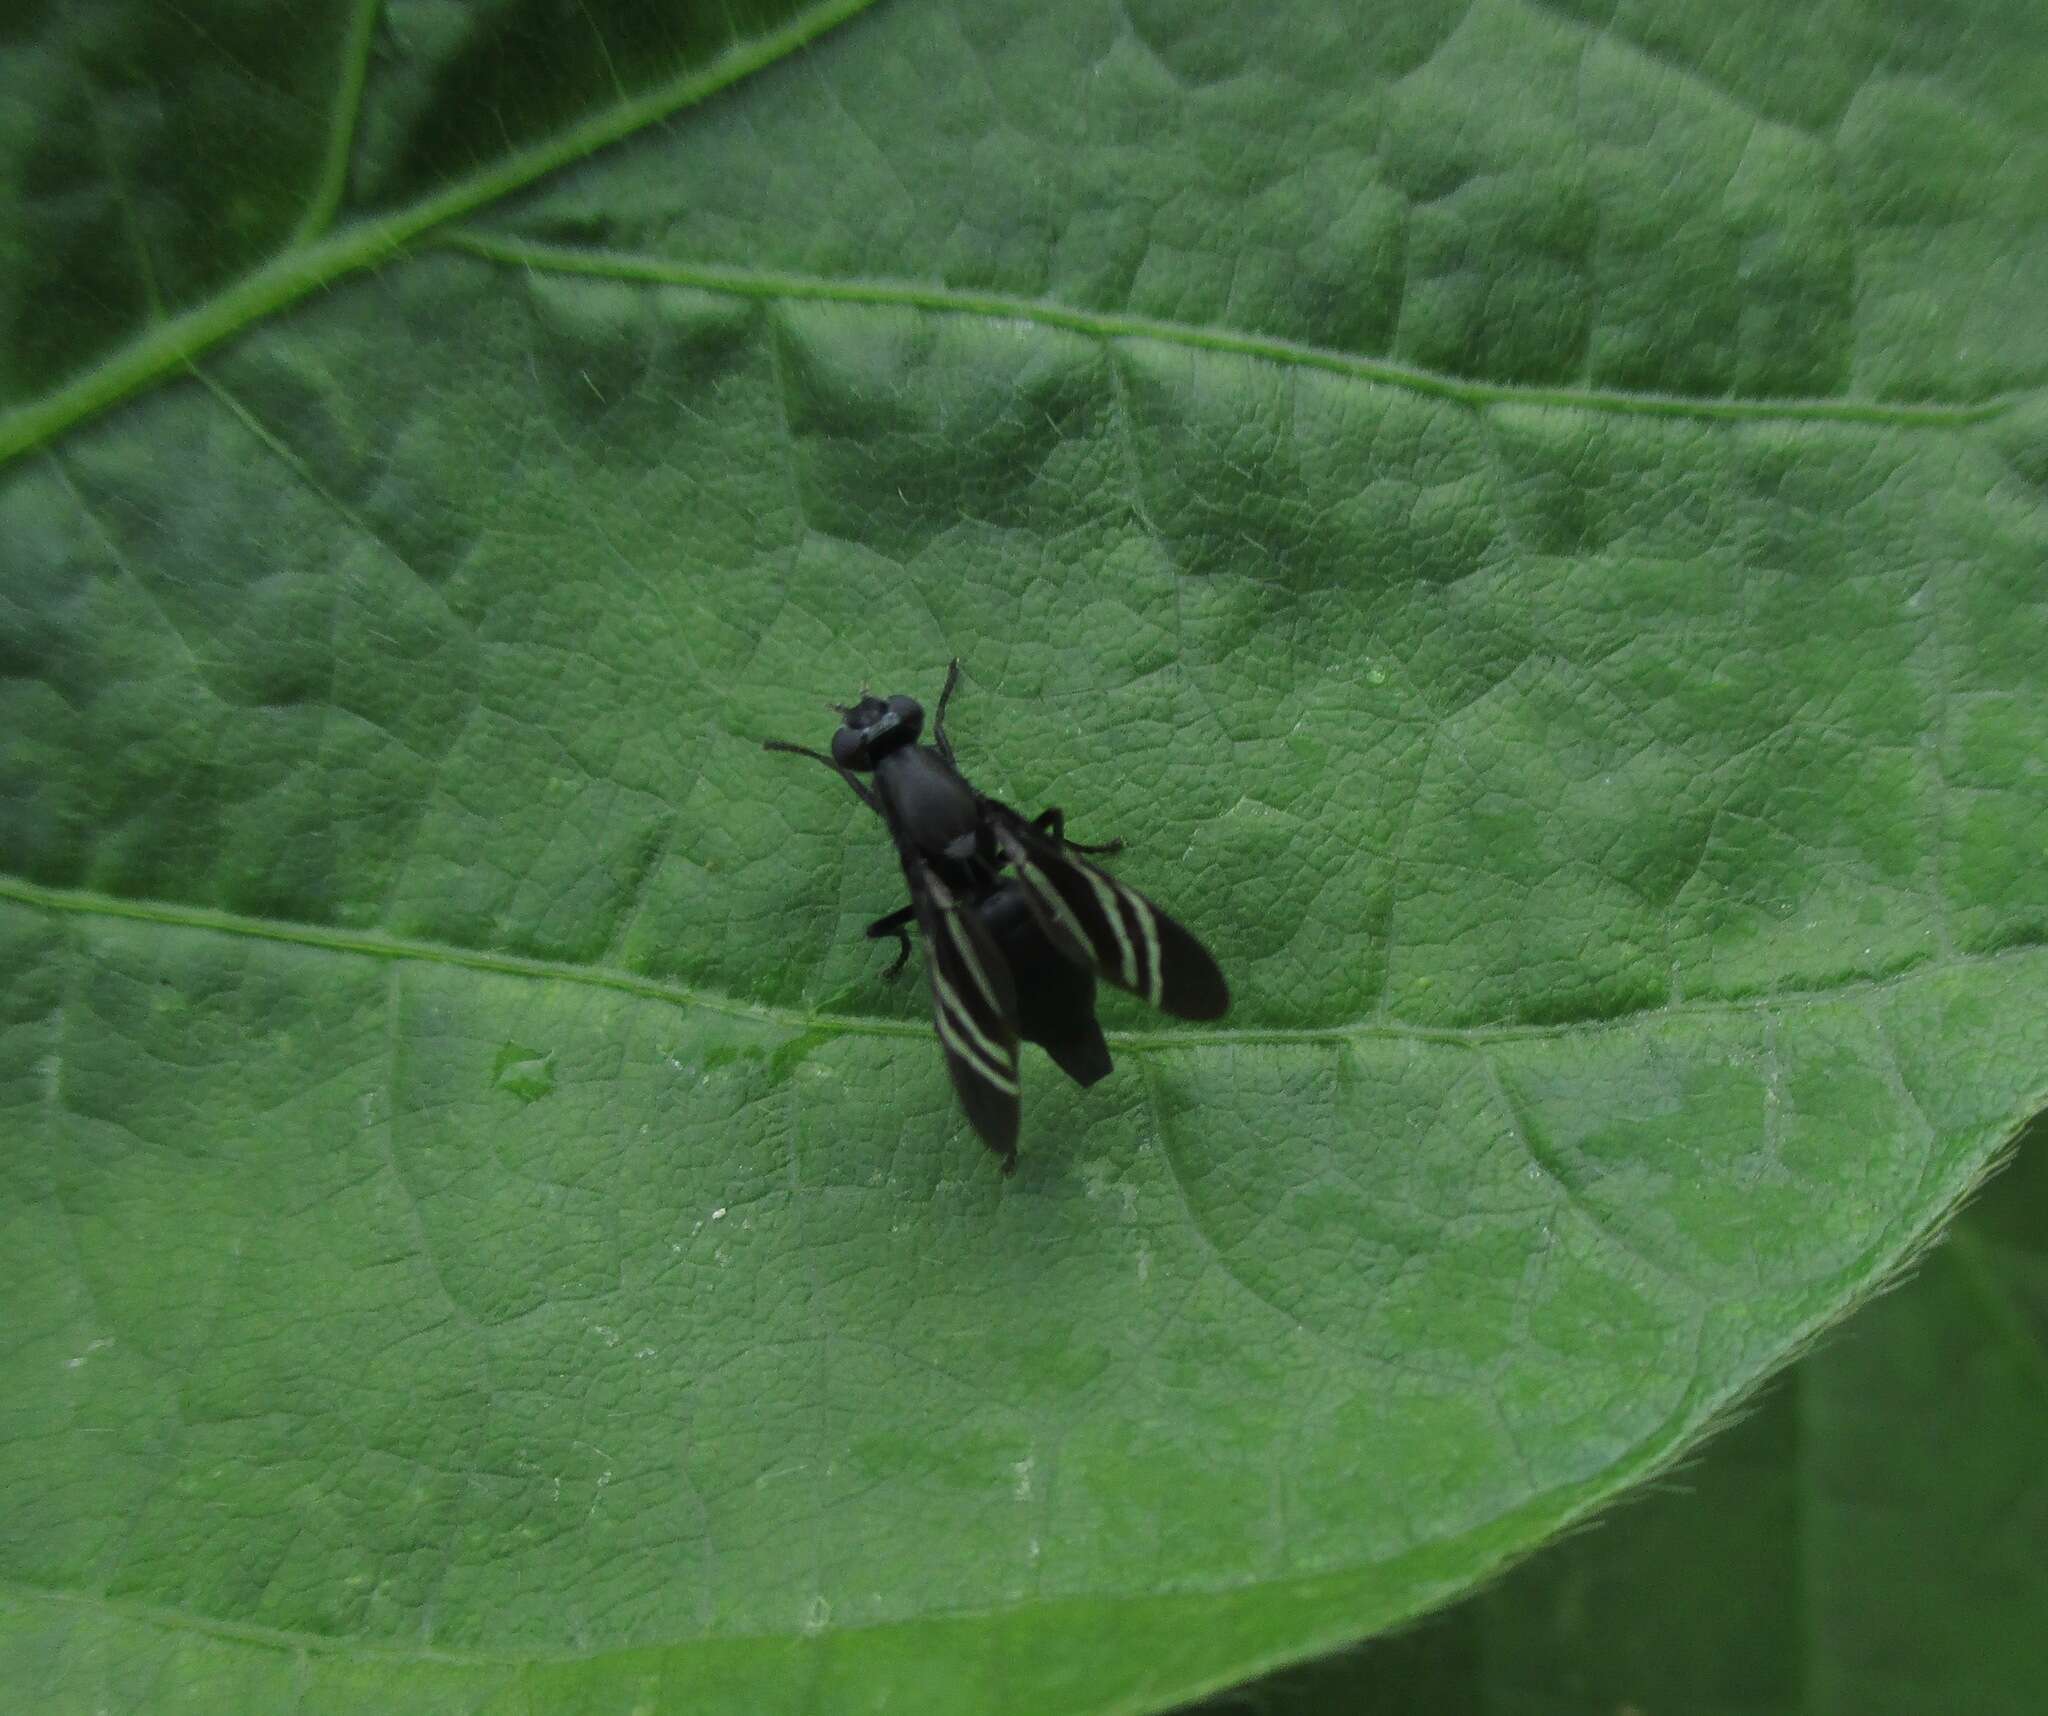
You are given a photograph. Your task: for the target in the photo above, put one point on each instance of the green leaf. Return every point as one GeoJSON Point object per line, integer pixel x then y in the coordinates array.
{"type": "Point", "coordinates": [1866, 1540]}
{"type": "Point", "coordinates": [1532, 528]}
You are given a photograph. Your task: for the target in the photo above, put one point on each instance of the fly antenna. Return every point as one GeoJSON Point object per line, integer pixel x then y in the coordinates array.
{"type": "Point", "coordinates": [847, 775]}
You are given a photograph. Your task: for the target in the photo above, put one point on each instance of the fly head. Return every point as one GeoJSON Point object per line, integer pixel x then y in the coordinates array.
{"type": "Point", "coordinates": [873, 728]}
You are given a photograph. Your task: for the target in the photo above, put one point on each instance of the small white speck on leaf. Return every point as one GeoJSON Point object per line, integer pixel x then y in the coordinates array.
{"type": "Point", "coordinates": [91, 1347]}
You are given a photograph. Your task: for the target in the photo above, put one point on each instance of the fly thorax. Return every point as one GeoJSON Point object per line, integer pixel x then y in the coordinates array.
{"type": "Point", "coordinates": [934, 806]}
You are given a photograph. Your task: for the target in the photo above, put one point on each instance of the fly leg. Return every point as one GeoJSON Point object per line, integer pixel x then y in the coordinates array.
{"type": "Point", "coordinates": [1054, 822]}
{"type": "Point", "coordinates": [939, 740]}
{"type": "Point", "coordinates": [893, 925]}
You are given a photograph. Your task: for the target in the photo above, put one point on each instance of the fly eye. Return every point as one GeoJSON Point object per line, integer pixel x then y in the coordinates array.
{"type": "Point", "coordinates": [909, 715]}
{"type": "Point", "coordinates": [850, 748]}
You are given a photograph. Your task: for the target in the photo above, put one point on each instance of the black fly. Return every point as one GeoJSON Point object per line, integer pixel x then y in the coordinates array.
{"type": "Point", "coordinates": [1016, 925]}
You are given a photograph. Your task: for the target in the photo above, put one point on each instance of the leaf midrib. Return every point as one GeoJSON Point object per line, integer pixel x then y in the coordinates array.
{"type": "Point", "coordinates": [378, 945]}
{"type": "Point", "coordinates": [303, 267]}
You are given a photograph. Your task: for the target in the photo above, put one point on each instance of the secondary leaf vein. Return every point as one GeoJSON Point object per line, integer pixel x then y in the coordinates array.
{"type": "Point", "coordinates": [924, 295]}
{"type": "Point", "coordinates": [374, 945]}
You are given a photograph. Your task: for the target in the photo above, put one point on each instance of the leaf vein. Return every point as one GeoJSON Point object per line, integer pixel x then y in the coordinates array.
{"type": "Point", "coordinates": [377, 945]}
{"type": "Point", "coordinates": [168, 347]}
{"type": "Point", "coordinates": [767, 284]}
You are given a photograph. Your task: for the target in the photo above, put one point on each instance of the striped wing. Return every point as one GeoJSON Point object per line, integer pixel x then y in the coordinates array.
{"type": "Point", "coordinates": [974, 1009]}
{"type": "Point", "coordinates": [1092, 916]}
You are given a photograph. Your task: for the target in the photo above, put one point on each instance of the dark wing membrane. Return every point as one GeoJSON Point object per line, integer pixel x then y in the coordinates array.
{"type": "Point", "coordinates": [974, 1010]}
{"type": "Point", "coordinates": [1128, 939]}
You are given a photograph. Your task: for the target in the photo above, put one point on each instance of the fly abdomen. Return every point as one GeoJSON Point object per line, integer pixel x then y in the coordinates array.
{"type": "Point", "coordinates": [1055, 996]}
